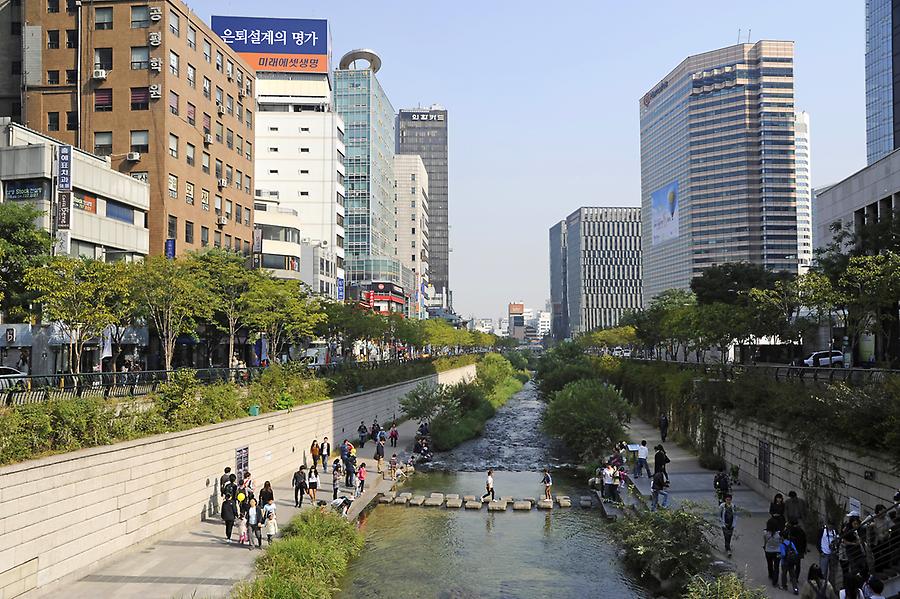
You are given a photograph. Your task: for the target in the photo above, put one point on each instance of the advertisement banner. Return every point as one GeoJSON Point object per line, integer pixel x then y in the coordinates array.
{"type": "Point", "coordinates": [64, 210]}
{"type": "Point", "coordinates": [170, 248]}
{"type": "Point", "coordinates": [664, 213]}
{"type": "Point", "coordinates": [340, 289]}
{"type": "Point", "coordinates": [257, 241]}
{"type": "Point", "coordinates": [85, 202]}
{"type": "Point", "coordinates": [64, 168]}
{"type": "Point", "coordinates": [268, 44]}
{"type": "Point", "coordinates": [28, 189]}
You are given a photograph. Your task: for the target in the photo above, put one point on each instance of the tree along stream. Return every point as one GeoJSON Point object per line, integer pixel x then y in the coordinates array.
{"type": "Point", "coordinates": [420, 552]}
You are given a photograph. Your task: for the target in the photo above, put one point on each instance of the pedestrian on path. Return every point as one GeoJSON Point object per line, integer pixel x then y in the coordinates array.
{"type": "Point", "coordinates": [658, 487]}
{"type": "Point", "coordinates": [795, 508]}
{"type": "Point", "coordinates": [776, 508]}
{"type": "Point", "coordinates": [548, 484]}
{"type": "Point", "coordinates": [727, 520]}
{"type": "Point", "coordinates": [361, 475]}
{"type": "Point", "coordinates": [393, 466]}
{"type": "Point", "coordinates": [817, 585]}
{"type": "Point", "coordinates": [772, 547]}
{"type": "Point", "coordinates": [721, 485]}
{"type": "Point", "coordinates": [223, 480]}
{"type": "Point", "coordinates": [660, 459]}
{"type": "Point", "coordinates": [229, 515]}
{"type": "Point", "coordinates": [489, 486]}
{"type": "Point", "coordinates": [299, 482]}
{"type": "Point", "coordinates": [394, 435]}
{"type": "Point", "coordinates": [797, 536]}
{"type": "Point", "coordinates": [609, 483]}
{"type": "Point", "coordinates": [363, 433]}
{"type": "Point", "coordinates": [663, 426]}
{"type": "Point", "coordinates": [379, 455]}
{"type": "Point", "coordinates": [852, 588]}
{"type": "Point", "coordinates": [790, 559]}
{"type": "Point", "coordinates": [231, 488]}
{"type": "Point", "coordinates": [827, 546]}
{"type": "Point", "coordinates": [266, 494]}
{"type": "Point", "coordinates": [254, 523]}
{"type": "Point", "coordinates": [312, 482]}
{"type": "Point", "coordinates": [314, 452]}
{"type": "Point", "coordinates": [643, 454]}
{"type": "Point", "coordinates": [325, 453]}
{"type": "Point", "coordinates": [271, 526]}
{"type": "Point", "coordinates": [242, 530]}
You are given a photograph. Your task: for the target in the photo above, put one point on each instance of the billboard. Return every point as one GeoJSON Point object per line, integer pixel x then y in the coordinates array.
{"type": "Point", "coordinates": [287, 45]}
{"type": "Point", "coordinates": [664, 213]}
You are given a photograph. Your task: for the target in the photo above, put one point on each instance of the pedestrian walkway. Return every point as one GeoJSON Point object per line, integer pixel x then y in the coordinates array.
{"type": "Point", "coordinates": [196, 562]}
{"type": "Point", "coordinates": [690, 482]}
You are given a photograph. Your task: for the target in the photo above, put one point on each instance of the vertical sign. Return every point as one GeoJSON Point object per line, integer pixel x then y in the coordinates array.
{"type": "Point", "coordinates": [257, 241]}
{"type": "Point", "coordinates": [170, 248]}
{"type": "Point", "coordinates": [64, 210]}
{"type": "Point", "coordinates": [340, 289]}
{"type": "Point", "coordinates": [64, 168]}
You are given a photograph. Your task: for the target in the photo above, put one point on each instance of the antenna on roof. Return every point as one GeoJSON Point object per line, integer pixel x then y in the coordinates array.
{"type": "Point", "coordinates": [739, 36]}
{"type": "Point", "coordinates": [748, 35]}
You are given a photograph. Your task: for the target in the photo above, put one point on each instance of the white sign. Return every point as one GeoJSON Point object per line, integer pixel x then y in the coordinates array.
{"type": "Point", "coordinates": [155, 92]}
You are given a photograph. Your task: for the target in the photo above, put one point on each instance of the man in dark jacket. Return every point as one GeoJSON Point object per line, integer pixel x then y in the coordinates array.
{"type": "Point", "coordinates": [229, 515]}
{"type": "Point", "coordinates": [794, 508]}
{"type": "Point", "coordinates": [299, 482]}
{"type": "Point", "coordinates": [363, 433]}
{"type": "Point", "coordinates": [325, 453]}
{"type": "Point", "coordinates": [663, 426]}
{"type": "Point", "coordinates": [660, 459]}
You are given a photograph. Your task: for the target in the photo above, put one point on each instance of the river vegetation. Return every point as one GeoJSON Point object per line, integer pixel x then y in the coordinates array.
{"type": "Point", "coordinates": [308, 560]}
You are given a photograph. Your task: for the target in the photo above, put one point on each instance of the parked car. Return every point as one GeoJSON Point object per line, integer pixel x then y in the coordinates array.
{"type": "Point", "coordinates": [825, 358]}
{"type": "Point", "coordinates": [10, 377]}
{"type": "Point", "coordinates": [617, 352]}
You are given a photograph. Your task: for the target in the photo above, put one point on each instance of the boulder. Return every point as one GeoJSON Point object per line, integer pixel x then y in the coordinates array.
{"type": "Point", "coordinates": [451, 496]}
{"type": "Point", "coordinates": [401, 499]}
{"type": "Point", "coordinates": [469, 498]}
{"type": "Point", "coordinates": [565, 503]}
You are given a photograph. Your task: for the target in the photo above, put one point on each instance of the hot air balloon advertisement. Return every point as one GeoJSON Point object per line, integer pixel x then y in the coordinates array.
{"type": "Point", "coordinates": [664, 212]}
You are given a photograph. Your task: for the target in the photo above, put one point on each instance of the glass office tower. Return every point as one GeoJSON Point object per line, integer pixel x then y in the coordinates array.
{"type": "Point", "coordinates": [881, 97]}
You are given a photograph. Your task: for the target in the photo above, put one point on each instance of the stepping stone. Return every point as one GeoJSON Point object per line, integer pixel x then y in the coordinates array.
{"type": "Point", "coordinates": [561, 498]}
{"type": "Point", "coordinates": [507, 499]}
{"type": "Point", "coordinates": [530, 500]}
{"type": "Point", "coordinates": [473, 505]}
{"type": "Point", "coordinates": [434, 501]}
{"type": "Point", "coordinates": [406, 494]}
{"type": "Point", "coordinates": [452, 496]}
{"type": "Point", "coordinates": [437, 495]}
{"type": "Point", "coordinates": [469, 498]}
{"type": "Point", "coordinates": [565, 503]}
{"type": "Point", "coordinates": [524, 506]}
{"type": "Point", "coordinates": [401, 499]}
{"type": "Point", "coordinates": [545, 504]}
{"type": "Point", "coordinates": [417, 500]}
{"type": "Point", "coordinates": [454, 503]}
{"type": "Point", "coordinates": [387, 497]}
{"type": "Point", "coordinates": [497, 506]}
{"type": "Point", "coordinates": [586, 502]}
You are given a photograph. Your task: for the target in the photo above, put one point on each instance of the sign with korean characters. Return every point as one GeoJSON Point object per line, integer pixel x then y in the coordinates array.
{"type": "Point", "coordinates": [64, 166]}
{"type": "Point", "coordinates": [266, 44]}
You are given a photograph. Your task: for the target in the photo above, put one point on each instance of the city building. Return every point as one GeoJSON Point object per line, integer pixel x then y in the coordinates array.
{"type": "Point", "coordinates": [803, 166]}
{"type": "Point", "coordinates": [515, 325]}
{"type": "Point", "coordinates": [371, 257]}
{"type": "Point", "coordinates": [559, 301]}
{"type": "Point", "coordinates": [718, 181]}
{"type": "Point", "coordinates": [11, 19]}
{"type": "Point", "coordinates": [103, 217]}
{"type": "Point", "coordinates": [411, 199]}
{"type": "Point", "coordinates": [601, 271]}
{"type": "Point", "coordinates": [424, 131]}
{"type": "Point", "coordinates": [503, 327]}
{"type": "Point", "coordinates": [299, 137]}
{"type": "Point", "coordinates": [882, 101]}
{"type": "Point", "coordinates": [155, 90]}
{"type": "Point", "coordinates": [544, 323]}
{"type": "Point", "coordinates": [483, 325]}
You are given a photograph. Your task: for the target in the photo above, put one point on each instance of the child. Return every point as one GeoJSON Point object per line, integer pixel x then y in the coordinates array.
{"type": "Point", "coordinates": [242, 531]}
{"type": "Point", "coordinates": [393, 466]}
{"type": "Point", "coordinates": [271, 527]}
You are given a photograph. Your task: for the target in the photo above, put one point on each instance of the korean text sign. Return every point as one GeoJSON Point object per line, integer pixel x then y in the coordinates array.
{"type": "Point", "coordinates": [268, 44]}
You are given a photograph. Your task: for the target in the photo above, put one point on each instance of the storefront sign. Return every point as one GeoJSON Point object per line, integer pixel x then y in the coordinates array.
{"type": "Point", "coordinates": [170, 249]}
{"type": "Point", "coordinates": [64, 210]}
{"type": "Point", "coordinates": [30, 189]}
{"type": "Point", "coordinates": [85, 203]}
{"type": "Point", "coordinates": [64, 168]}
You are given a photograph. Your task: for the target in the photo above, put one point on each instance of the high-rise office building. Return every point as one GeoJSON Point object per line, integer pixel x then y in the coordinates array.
{"type": "Point", "coordinates": [12, 15]}
{"type": "Point", "coordinates": [718, 181]}
{"type": "Point", "coordinates": [299, 140]}
{"type": "Point", "coordinates": [598, 268]}
{"type": "Point", "coordinates": [373, 270]}
{"type": "Point", "coordinates": [882, 66]}
{"type": "Point", "coordinates": [423, 131]}
{"type": "Point", "coordinates": [411, 200]}
{"type": "Point", "coordinates": [155, 90]}
{"type": "Point", "coordinates": [803, 165]}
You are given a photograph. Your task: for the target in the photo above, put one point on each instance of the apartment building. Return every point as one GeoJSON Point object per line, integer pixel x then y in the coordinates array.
{"type": "Point", "coordinates": [412, 208]}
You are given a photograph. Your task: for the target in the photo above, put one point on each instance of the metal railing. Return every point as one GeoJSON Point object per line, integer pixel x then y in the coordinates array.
{"type": "Point", "coordinates": [865, 548]}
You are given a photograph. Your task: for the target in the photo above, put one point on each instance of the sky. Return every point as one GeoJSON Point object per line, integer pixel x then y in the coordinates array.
{"type": "Point", "coordinates": [543, 103]}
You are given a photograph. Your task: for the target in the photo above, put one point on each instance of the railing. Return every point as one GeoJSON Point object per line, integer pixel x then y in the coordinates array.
{"type": "Point", "coordinates": [867, 548]}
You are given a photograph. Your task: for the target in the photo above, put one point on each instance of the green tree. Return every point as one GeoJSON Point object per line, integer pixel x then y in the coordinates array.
{"type": "Point", "coordinates": [439, 334]}
{"type": "Point", "coordinates": [817, 293]}
{"type": "Point", "coordinates": [492, 371]}
{"type": "Point", "coordinates": [722, 326]}
{"type": "Point", "coordinates": [776, 311]}
{"type": "Point", "coordinates": [283, 310]}
{"type": "Point", "coordinates": [730, 283]}
{"type": "Point", "coordinates": [427, 402]}
{"type": "Point", "coordinates": [724, 586]}
{"type": "Point", "coordinates": [122, 304]}
{"type": "Point", "coordinates": [870, 283]}
{"type": "Point", "coordinates": [74, 292]}
{"type": "Point", "coordinates": [23, 246]}
{"type": "Point", "coordinates": [589, 416]}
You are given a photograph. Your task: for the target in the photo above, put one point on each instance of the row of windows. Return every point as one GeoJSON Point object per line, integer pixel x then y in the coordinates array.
{"type": "Point", "coordinates": [231, 243]}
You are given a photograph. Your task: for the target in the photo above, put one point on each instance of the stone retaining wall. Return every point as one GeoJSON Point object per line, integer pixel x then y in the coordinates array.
{"type": "Point", "coordinates": [62, 515]}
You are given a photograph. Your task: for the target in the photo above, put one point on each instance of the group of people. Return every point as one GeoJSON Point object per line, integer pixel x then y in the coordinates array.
{"type": "Point", "coordinates": [254, 516]}
{"type": "Point", "coordinates": [377, 433]}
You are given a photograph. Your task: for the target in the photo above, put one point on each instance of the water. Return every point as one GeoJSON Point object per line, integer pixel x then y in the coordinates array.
{"type": "Point", "coordinates": [418, 552]}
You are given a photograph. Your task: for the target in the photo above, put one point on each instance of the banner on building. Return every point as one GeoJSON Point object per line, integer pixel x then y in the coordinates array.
{"type": "Point", "coordinates": [64, 168]}
{"type": "Point", "coordinates": [27, 189]}
{"type": "Point", "coordinates": [64, 210]}
{"type": "Point", "coordinates": [267, 44]}
{"type": "Point", "coordinates": [664, 213]}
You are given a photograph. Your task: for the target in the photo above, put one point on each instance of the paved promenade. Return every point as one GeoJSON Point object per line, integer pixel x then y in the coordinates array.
{"type": "Point", "coordinates": [196, 562]}
{"type": "Point", "coordinates": [690, 482]}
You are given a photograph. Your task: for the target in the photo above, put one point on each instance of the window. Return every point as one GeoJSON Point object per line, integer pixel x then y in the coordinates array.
{"type": "Point", "coordinates": [52, 6]}
{"type": "Point", "coordinates": [219, 94]}
{"type": "Point", "coordinates": [120, 212]}
{"type": "Point", "coordinates": [173, 188]}
{"type": "Point", "coordinates": [15, 28]}
{"type": "Point", "coordinates": [229, 104]}
{"type": "Point", "coordinates": [204, 199]}
{"type": "Point", "coordinates": [227, 241]}
{"type": "Point", "coordinates": [189, 152]}
{"type": "Point", "coordinates": [173, 145]}
{"type": "Point", "coordinates": [249, 150]}
{"type": "Point", "coordinates": [140, 141]}
{"type": "Point", "coordinates": [304, 171]}
{"type": "Point", "coordinates": [173, 63]}
{"type": "Point", "coordinates": [229, 139]}
{"type": "Point", "coordinates": [240, 111]}
{"type": "Point", "coordinates": [191, 114]}
{"type": "Point", "coordinates": [249, 119]}
{"type": "Point", "coordinates": [173, 102]}
{"type": "Point", "coordinates": [273, 171]}
{"type": "Point", "coordinates": [103, 18]}
{"type": "Point", "coordinates": [219, 131]}
{"type": "Point", "coordinates": [53, 121]}
{"type": "Point", "coordinates": [103, 143]}
{"type": "Point", "coordinates": [140, 58]}
{"type": "Point", "coordinates": [204, 163]}
{"type": "Point", "coordinates": [192, 38]}
{"type": "Point", "coordinates": [304, 193]}
{"type": "Point", "coordinates": [52, 77]}
{"type": "Point", "coordinates": [219, 205]}
{"type": "Point", "coordinates": [206, 87]}
{"type": "Point", "coordinates": [218, 169]}
{"type": "Point", "coordinates": [219, 61]}
{"type": "Point", "coordinates": [53, 39]}
{"type": "Point", "coordinates": [207, 124]}
{"type": "Point", "coordinates": [207, 50]}
{"type": "Point", "coordinates": [204, 236]}
{"type": "Point", "coordinates": [172, 229]}
{"type": "Point", "coordinates": [103, 100]}
{"type": "Point", "coordinates": [229, 69]}
{"type": "Point", "coordinates": [238, 211]}
{"type": "Point", "coordinates": [71, 76]}
{"type": "Point", "coordinates": [412, 190]}
{"type": "Point", "coordinates": [189, 192]}
{"type": "Point", "coordinates": [140, 98]}
{"type": "Point", "coordinates": [247, 185]}
{"type": "Point", "coordinates": [174, 23]}
{"type": "Point", "coordinates": [229, 173]}
{"type": "Point", "coordinates": [238, 177]}
{"type": "Point", "coordinates": [72, 38]}
{"type": "Point", "coordinates": [103, 58]}
{"type": "Point", "coordinates": [188, 232]}
{"type": "Point", "coordinates": [304, 129]}
{"type": "Point", "coordinates": [217, 239]}
{"type": "Point", "coordinates": [228, 208]}
{"type": "Point", "coordinates": [71, 121]}
{"type": "Point", "coordinates": [140, 17]}
{"type": "Point", "coordinates": [304, 150]}
{"type": "Point", "coordinates": [240, 145]}
{"type": "Point", "coordinates": [247, 215]}
{"type": "Point", "coordinates": [191, 75]}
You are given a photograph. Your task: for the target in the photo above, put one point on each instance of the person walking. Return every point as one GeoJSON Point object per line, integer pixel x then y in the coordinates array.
{"type": "Point", "coordinates": [271, 526]}
{"type": "Point", "coordinates": [336, 474]}
{"type": "Point", "coordinates": [827, 544]}
{"type": "Point", "coordinates": [795, 508]}
{"type": "Point", "coordinates": [223, 480]}
{"type": "Point", "coordinates": [361, 475]}
{"type": "Point", "coordinates": [772, 548]}
{"type": "Point", "coordinates": [363, 433]}
{"type": "Point", "coordinates": [548, 484]}
{"type": "Point", "coordinates": [229, 515]}
{"type": "Point", "coordinates": [312, 482]}
{"type": "Point", "coordinates": [345, 456]}
{"type": "Point", "coordinates": [267, 494]}
{"type": "Point", "coordinates": [231, 488]}
{"type": "Point", "coordinates": [776, 508]}
{"type": "Point", "coordinates": [325, 453]}
{"type": "Point", "coordinates": [299, 483]}
{"type": "Point", "coordinates": [721, 485]}
{"type": "Point", "coordinates": [392, 465]}
{"type": "Point", "coordinates": [314, 453]}
{"type": "Point", "coordinates": [794, 531]}
{"type": "Point", "coordinates": [727, 520]}
{"type": "Point", "coordinates": [489, 486]}
{"type": "Point", "coordinates": [393, 435]}
{"type": "Point", "coordinates": [790, 558]}
{"type": "Point", "coordinates": [817, 585]}
{"type": "Point", "coordinates": [643, 454]}
{"type": "Point", "coordinates": [660, 459]}
{"type": "Point", "coordinates": [379, 455]}
{"type": "Point", "coordinates": [663, 426]}
{"type": "Point", "coordinates": [254, 523]}
{"type": "Point", "coordinates": [658, 487]}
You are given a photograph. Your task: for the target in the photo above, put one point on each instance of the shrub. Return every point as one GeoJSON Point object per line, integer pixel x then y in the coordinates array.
{"type": "Point", "coordinates": [588, 416]}
{"type": "Point", "coordinates": [427, 402]}
{"type": "Point", "coordinates": [475, 407]}
{"type": "Point", "coordinates": [517, 359]}
{"type": "Point", "coordinates": [725, 586]}
{"type": "Point", "coordinates": [284, 386]}
{"type": "Point", "coordinates": [493, 370]}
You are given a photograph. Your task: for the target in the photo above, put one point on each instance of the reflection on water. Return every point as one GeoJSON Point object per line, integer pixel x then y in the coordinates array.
{"type": "Point", "coordinates": [418, 552]}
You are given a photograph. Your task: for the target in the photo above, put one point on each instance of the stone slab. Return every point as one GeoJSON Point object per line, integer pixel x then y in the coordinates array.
{"type": "Point", "coordinates": [565, 503]}
{"type": "Point", "coordinates": [530, 500]}
{"type": "Point", "coordinates": [508, 499]}
{"type": "Point", "coordinates": [497, 506]}
{"type": "Point", "coordinates": [417, 500]}
{"type": "Point", "coordinates": [473, 505]}
{"type": "Point", "coordinates": [558, 497]}
{"type": "Point", "coordinates": [387, 497]}
{"type": "Point", "coordinates": [454, 503]}
{"type": "Point", "coordinates": [437, 495]}
{"type": "Point", "coordinates": [545, 504]}
{"type": "Point", "coordinates": [586, 502]}
{"type": "Point", "coordinates": [452, 496]}
{"type": "Point", "coordinates": [401, 499]}
{"type": "Point", "coordinates": [407, 495]}
{"type": "Point", "coordinates": [522, 506]}
{"type": "Point", "coordinates": [434, 502]}
{"type": "Point", "coordinates": [469, 498]}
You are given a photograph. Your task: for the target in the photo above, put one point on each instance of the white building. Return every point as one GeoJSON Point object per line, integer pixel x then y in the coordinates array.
{"type": "Point", "coordinates": [107, 209]}
{"type": "Point", "coordinates": [803, 166]}
{"type": "Point", "coordinates": [484, 325]}
{"type": "Point", "coordinates": [543, 323]}
{"type": "Point", "coordinates": [503, 328]}
{"type": "Point", "coordinates": [411, 210]}
{"type": "Point", "coordinates": [300, 159]}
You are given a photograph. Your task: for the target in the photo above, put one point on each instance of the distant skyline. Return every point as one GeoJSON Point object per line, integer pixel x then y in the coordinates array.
{"type": "Point", "coordinates": [543, 105]}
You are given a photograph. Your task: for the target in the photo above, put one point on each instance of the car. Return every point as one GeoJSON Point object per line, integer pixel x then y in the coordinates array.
{"type": "Point", "coordinates": [824, 358]}
{"type": "Point", "coordinates": [626, 353]}
{"type": "Point", "coordinates": [10, 377]}
{"type": "Point", "coordinates": [617, 352]}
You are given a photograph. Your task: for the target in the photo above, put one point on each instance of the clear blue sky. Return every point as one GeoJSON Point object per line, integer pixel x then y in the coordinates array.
{"type": "Point", "coordinates": [543, 103]}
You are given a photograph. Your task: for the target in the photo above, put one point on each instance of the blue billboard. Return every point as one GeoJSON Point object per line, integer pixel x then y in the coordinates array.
{"type": "Point", "coordinates": [664, 213]}
{"type": "Point", "coordinates": [271, 44]}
